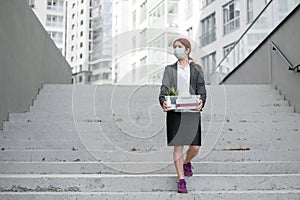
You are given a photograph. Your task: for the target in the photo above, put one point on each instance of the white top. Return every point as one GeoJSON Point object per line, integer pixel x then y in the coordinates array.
{"type": "Point", "coordinates": [183, 80]}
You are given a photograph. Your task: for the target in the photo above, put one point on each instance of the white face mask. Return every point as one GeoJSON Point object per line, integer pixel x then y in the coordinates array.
{"type": "Point", "coordinates": [179, 52]}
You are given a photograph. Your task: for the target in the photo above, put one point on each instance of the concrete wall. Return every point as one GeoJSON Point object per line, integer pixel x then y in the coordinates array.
{"type": "Point", "coordinates": [28, 58]}
{"type": "Point", "coordinates": [265, 66]}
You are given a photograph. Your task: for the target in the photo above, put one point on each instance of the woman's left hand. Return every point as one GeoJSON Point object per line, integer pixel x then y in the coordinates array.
{"type": "Point", "coordinates": [200, 105]}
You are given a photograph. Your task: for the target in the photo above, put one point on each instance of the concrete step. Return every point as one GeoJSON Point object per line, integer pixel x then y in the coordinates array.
{"type": "Point", "coordinates": [226, 135]}
{"type": "Point", "coordinates": [192, 195]}
{"type": "Point", "coordinates": [209, 167]}
{"type": "Point", "coordinates": [238, 117]}
{"type": "Point", "coordinates": [229, 141]}
{"type": "Point", "coordinates": [248, 89]}
{"type": "Point", "coordinates": [95, 111]}
{"type": "Point", "coordinates": [143, 127]}
{"type": "Point", "coordinates": [145, 183]}
{"type": "Point", "coordinates": [140, 155]}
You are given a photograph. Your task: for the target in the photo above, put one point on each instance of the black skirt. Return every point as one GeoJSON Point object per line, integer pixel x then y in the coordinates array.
{"type": "Point", "coordinates": [183, 128]}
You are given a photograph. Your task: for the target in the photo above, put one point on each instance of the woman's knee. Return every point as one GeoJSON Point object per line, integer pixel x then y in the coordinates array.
{"type": "Point", "coordinates": [195, 148]}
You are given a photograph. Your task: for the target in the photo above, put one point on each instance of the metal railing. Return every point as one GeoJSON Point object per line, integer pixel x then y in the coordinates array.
{"type": "Point", "coordinates": [266, 21]}
{"type": "Point", "coordinates": [291, 67]}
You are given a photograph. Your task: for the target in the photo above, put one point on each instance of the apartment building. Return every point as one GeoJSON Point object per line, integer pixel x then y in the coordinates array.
{"type": "Point", "coordinates": [89, 41]}
{"type": "Point", "coordinates": [144, 44]}
{"type": "Point", "coordinates": [52, 15]}
{"type": "Point", "coordinates": [81, 29]}
{"type": "Point", "coordinates": [220, 25]}
{"type": "Point", "coordinates": [212, 26]}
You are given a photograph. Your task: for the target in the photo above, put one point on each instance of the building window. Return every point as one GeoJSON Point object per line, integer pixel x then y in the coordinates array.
{"type": "Point", "coordinates": [80, 68]}
{"type": "Point", "coordinates": [143, 11]}
{"type": "Point", "coordinates": [73, 26]}
{"type": "Point", "coordinates": [81, 33]}
{"type": "Point", "coordinates": [134, 20]}
{"type": "Point", "coordinates": [209, 63]}
{"type": "Point", "coordinates": [72, 58]}
{"type": "Point", "coordinates": [80, 56]}
{"type": "Point", "coordinates": [90, 46]}
{"type": "Point", "coordinates": [73, 36]}
{"type": "Point", "coordinates": [105, 75]}
{"type": "Point", "coordinates": [249, 11]}
{"type": "Point", "coordinates": [55, 21]}
{"type": "Point", "coordinates": [188, 9]}
{"type": "Point", "coordinates": [172, 17]}
{"type": "Point", "coordinates": [73, 6]}
{"type": "Point", "coordinates": [82, 1]}
{"type": "Point", "coordinates": [143, 60]}
{"type": "Point", "coordinates": [190, 32]}
{"type": "Point", "coordinates": [143, 38]}
{"type": "Point", "coordinates": [80, 79]}
{"type": "Point", "coordinates": [157, 15]}
{"type": "Point", "coordinates": [208, 30]}
{"type": "Point", "coordinates": [231, 16]}
{"type": "Point", "coordinates": [133, 71]}
{"type": "Point", "coordinates": [72, 48]}
{"type": "Point", "coordinates": [81, 22]}
{"type": "Point", "coordinates": [73, 15]}
{"type": "Point", "coordinates": [133, 44]}
{"type": "Point", "coordinates": [227, 49]}
{"type": "Point", "coordinates": [207, 2]}
{"type": "Point", "coordinates": [81, 44]}
{"type": "Point", "coordinates": [81, 12]}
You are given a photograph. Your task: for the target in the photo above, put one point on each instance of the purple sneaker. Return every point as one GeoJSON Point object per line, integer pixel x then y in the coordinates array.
{"type": "Point", "coordinates": [187, 169]}
{"type": "Point", "coordinates": [182, 186]}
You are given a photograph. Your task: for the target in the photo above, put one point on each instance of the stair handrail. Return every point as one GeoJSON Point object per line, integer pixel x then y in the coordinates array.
{"type": "Point", "coordinates": [218, 69]}
{"type": "Point", "coordinates": [291, 67]}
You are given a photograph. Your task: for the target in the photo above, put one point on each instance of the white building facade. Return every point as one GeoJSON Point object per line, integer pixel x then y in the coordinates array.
{"type": "Point", "coordinates": [143, 32]}
{"type": "Point", "coordinates": [221, 24]}
{"type": "Point", "coordinates": [52, 15]}
{"type": "Point", "coordinates": [81, 29]}
{"type": "Point", "coordinates": [212, 26]}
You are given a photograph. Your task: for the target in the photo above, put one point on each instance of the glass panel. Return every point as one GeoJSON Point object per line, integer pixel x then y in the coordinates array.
{"type": "Point", "coordinates": [260, 28]}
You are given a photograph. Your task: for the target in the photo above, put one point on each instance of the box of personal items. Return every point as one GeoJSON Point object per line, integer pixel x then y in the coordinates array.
{"type": "Point", "coordinates": [182, 103]}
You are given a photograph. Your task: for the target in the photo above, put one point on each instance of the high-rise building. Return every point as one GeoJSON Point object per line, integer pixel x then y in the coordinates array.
{"type": "Point", "coordinates": [81, 29]}
{"type": "Point", "coordinates": [89, 40]}
{"type": "Point", "coordinates": [52, 15]}
{"type": "Point", "coordinates": [100, 43]}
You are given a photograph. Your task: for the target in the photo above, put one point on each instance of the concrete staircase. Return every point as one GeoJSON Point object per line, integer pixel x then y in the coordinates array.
{"type": "Point", "coordinates": [108, 142]}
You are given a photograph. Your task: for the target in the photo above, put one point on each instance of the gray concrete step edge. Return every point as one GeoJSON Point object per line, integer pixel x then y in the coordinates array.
{"type": "Point", "coordinates": [209, 167]}
{"type": "Point", "coordinates": [146, 183]}
{"type": "Point", "coordinates": [192, 195]}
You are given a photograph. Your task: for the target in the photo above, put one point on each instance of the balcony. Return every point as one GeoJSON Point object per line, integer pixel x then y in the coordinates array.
{"type": "Point", "coordinates": [231, 25]}
{"type": "Point", "coordinates": [59, 9]}
{"type": "Point", "coordinates": [208, 37]}
{"type": "Point", "coordinates": [269, 18]}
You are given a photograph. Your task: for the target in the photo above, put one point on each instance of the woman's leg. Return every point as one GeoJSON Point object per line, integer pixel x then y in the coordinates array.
{"type": "Point", "coordinates": [191, 153]}
{"type": "Point", "coordinates": [178, 160]}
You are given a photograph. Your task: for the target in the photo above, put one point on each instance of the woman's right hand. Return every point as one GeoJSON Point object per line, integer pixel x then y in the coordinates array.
{"type": "Point", "coordinates": [165, 106]}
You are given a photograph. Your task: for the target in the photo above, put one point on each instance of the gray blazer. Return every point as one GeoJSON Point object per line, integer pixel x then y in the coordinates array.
{"type": "Point", "coordinates": [197, 84]}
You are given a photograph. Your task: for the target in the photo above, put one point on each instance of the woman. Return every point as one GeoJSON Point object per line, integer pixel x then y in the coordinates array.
{"type": "Point", "coordinates": [183, 128]}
